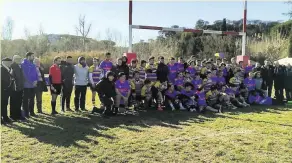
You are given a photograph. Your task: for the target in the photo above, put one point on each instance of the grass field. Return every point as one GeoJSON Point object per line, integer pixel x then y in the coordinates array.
{"type": "Point", "coordinates": [256, 134]}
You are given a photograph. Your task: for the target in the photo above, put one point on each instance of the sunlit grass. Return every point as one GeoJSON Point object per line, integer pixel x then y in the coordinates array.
{"type": "Point", "coordinates": [256, 134]}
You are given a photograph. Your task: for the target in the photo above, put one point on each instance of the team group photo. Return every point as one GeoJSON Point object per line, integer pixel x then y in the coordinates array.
{"type": "Point", "coordinates": [140, 81]}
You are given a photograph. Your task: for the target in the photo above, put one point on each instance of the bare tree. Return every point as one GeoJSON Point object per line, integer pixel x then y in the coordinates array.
{"type": "Point", "coordinates": [7, 29]}
{"type": "Point", "coordinates": [83, 29]}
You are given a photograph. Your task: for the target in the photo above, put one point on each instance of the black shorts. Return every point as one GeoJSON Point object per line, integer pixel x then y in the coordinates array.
{"type": "Point", "coordinates": [58, 88]}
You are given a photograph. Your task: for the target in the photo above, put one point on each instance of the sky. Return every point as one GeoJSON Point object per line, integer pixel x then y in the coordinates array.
{"type": "Point", "coordinates": [110, 19]}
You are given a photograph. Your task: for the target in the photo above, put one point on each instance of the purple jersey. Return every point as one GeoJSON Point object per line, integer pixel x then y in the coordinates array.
{"type": "Point", "coordinates": [201, 98]}
{"type": "Point", "coordinates": [188, 93]}
{"type": "Point", "coordinates": [196, 83]}
{"type": "Point", "coordinates": [172, 94]}
{"type": "Point", "coordinates": [123, 87]}
{"type": "Point", "coordinates": [180, 67]}
{"type": "Point", "coordinates": [191, 70]}
{"type": "Point", "coordinates": [179, 82]}
{"type": "Point", "coordinates": [172, 72]}
{"type": "Point", "coordinates": [106, 66]}
{"type": "Point", "coordinates": [248, 69]}
{"type": "Point", "coordinates": [214, 80]}
{"type": "Point", "coordinates": [221, 80]}
{"type": "Point", "coordinates": [249, 83]}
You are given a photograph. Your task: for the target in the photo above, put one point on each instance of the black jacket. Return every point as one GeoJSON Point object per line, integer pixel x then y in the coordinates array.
{"type": "Point", "coordinates": [67, 72]}
{"type": "Point", "coordinates": [17, 74]}
{"type": "Point", "coordinates": [106, 88]}
{"type": "Point", "coordinates": [267, 73]}
{"type": "Point", "coordinates": [279, 74]}
{"type": "Point", "coordinates": [162, 72]}
{"type": "Point", "coordinates": [288, 78]}
{"type": "Point", "coordinates": [123, 68]}
{"type": "Point", "coordinates": [6, 79]}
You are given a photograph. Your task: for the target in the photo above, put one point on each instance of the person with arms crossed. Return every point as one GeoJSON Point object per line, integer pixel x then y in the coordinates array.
{"type": "Point", "coordinates": [67, 72]}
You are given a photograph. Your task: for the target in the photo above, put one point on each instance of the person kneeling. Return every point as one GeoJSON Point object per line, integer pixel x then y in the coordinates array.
{"type": "Point", "coordinates": [106, 92]}
{"type": "Point", "coordinates": [171, 98]}
{"type": "Point", "coordinates": [188, 98]}
{"type": "Point", "coordinates": [123, 90]}
{"type": "Point", "coordinates": [212, 97]}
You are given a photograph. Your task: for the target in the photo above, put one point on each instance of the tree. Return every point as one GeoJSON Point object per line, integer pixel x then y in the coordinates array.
{"type": "Point", "coordinates": [7, 29]}
{"type": "Point", "coordinates": [289, 13]}
{"type": "Point", "coordinates": [201, 24]}
{"type": "Point", "coordinates": [290, 46]}
{"type": "Point", "coordinates": [83, 29]}
{"type": "Point", "coordinates": [224, 26]}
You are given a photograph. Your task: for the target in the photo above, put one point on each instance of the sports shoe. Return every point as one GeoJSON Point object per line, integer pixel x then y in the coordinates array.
{"type": "Point", "coordinates": [159, 108]}
{"type": "Point", "coordinates": [220, 110]}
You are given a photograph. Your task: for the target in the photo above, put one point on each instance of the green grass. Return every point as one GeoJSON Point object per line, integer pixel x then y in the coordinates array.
{"type": "Point", "coordinates": [256, 134]}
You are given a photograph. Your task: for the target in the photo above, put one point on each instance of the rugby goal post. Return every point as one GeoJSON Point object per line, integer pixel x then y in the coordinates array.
{"type": "Point", "coordinates": [243, 56]}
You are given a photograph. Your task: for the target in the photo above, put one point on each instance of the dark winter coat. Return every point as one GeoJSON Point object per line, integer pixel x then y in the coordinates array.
{"type": "Point", "coordinates": [162, 72]}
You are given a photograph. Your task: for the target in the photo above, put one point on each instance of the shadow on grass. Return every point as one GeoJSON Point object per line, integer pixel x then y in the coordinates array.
{"type": "Point", "coordinates": [66, 130]}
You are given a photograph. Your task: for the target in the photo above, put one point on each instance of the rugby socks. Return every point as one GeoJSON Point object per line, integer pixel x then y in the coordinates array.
{"type": "Point", "coordinates": [53, 104]}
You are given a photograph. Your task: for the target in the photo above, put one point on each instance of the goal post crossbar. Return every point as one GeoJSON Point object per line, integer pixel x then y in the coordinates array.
{"type": "Point", "coordinates": [187, 30]}
{"type": "Point", "coordinates": [243, 33]}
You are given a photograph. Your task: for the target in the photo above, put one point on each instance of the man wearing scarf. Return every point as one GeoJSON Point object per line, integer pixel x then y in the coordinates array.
{"type": "Point", "coordinates": [6, 83]}
{"type": "Point", "coordinates": [80, 81]}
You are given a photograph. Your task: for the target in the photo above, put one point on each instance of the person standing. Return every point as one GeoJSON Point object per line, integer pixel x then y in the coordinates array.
{"type": "Point", "coordinates": [56, 82]}
{"type": "Point", "coordinates": [41, 86]}
{"type": "Point", "coordinates": [119, 67]}
{"type": "Point", "coordinates": [67, 72]}
{"type": "Point", "coordinates": [267, 73]}
{"type": "Point", "coordinates": [106, 65]}
{"type": "Point", "coordinates": [95, 74]}
{"type": "Point", "coordinates": [172, 70]}
{"type": "Point", "coordinates": [279, 76]}
{"type": "Point", "coordinates": [288, 81]}
{"type": "Point", "coordinates": [6, 83]}
{"type": "Point", "coordinates": [162, 71]}
{"type": "Point", "coordinates": [80, 81]}
{"type": "Point", "coordinates": [31, 80]}
{"type": "Point", "coordinates": [17, 89]}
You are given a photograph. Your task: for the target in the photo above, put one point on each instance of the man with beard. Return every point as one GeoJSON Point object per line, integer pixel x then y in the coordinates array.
{"type": "Point", "coordinates": [17, 89]}
{"type": "Point", "coordinates": [162, 71]}
{"type": "Point", "coordinates": [267, 74]}
{"type": "Point", "coordinates": [67, 72]}
{"type": "Point", "coordinates": [81, 82]}
{"type": "Point", "coordinates": [31, 80]}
